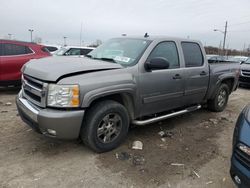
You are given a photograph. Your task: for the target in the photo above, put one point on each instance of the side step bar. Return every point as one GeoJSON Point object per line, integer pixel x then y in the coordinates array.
{"type": "Point", "coordinates": [160, 118]}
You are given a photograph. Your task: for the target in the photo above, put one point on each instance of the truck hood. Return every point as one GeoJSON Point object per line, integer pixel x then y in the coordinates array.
{"type": "Point", "coordinates": [53, 68]}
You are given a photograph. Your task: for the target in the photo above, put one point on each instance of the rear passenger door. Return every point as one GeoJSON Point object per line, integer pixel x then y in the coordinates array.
{"type": "Point", "coordinates": [197, 73]}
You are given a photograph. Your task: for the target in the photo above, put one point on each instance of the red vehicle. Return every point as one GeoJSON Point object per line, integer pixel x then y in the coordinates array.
{"type": "Point", "coordinates": [13, 55]}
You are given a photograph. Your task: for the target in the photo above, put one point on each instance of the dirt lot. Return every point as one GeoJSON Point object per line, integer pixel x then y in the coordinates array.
{"type": "Point", "coordinates": [198, 142]}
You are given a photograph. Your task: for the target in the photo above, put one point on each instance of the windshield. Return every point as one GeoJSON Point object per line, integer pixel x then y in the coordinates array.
{"type": "Point", "coordinates": [247, 61]}
{"type": "Point", "coordinates": [61, 51]}
{"type": "Point", "coordinates": [120, 50]}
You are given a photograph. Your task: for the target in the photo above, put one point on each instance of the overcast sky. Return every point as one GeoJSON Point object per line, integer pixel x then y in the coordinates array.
{"type": "Point", "coordinates": [103, 19]}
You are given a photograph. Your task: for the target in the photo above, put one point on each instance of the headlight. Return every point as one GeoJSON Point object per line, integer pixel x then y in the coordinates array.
{"type": "Point", "coordinates": [245, 149]}
{"type": "Point", "coordinates": [63, 95]}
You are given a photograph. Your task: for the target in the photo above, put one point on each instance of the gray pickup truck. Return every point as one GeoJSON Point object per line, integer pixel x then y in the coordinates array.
{"type": "Point", "coordinates": [124, 81]}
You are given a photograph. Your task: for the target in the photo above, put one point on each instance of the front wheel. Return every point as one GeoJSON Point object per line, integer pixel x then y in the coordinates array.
{"type": "Point", "coordinates": [105, 126]}
{"type": "Point", "coordinates": [219, 102]}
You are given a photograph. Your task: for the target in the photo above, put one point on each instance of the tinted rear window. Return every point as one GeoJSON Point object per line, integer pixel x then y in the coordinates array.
{"type": "Point", "coordinates": [192, 54]}
{"type": "Point", "coordinates": [13, 49]}
{"type": "Point", "coordinates": [85, 51]}
{"type": "Point", "coordinates": [51, 48]}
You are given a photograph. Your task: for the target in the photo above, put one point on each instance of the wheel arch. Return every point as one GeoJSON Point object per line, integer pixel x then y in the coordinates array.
{"type": "Point", "coordinates": [125, 98]}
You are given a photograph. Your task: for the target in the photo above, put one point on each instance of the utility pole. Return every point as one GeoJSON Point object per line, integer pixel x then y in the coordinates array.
{"type": "Point", "coordinates": [81, 35]}
{"type": "Point", "coordinates": [31, 31]}
{"type": "Point", "coordinates": [244, 48]}
{"type": "Point", "coordinates": [219, 49]}
{"type": "Point", "coordinates": [64, 39]}
{"type": "Point", "coordinates": [227, 50]}
{"type": "Point", "coordinates": [225, 36]}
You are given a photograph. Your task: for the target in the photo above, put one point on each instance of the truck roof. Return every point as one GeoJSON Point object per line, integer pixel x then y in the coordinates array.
{"type": "Point", "coordinates": [81, 47]}
{"type": "Point", "coordinates": [154, 38]}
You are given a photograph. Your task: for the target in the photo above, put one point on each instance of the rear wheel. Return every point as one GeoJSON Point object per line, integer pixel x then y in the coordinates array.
{"type": "Point", "coordinates": [219, 102]}
{"type": "Point", "coordinates": [105, 126]}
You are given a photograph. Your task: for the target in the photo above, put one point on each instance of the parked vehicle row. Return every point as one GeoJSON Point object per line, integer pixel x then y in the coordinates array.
{"type": "Point", "coordinates": [124, 81]}
{"type": "Point", "coordinates": [14, 54]}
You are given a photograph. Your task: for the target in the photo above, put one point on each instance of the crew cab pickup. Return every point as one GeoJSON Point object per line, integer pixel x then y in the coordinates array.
{"type": "Point", "coordinates": [124, 81]}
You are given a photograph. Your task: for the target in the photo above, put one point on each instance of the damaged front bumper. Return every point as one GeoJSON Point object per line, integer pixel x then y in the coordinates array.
{"type": "Point", "coordinates": [61, 124]}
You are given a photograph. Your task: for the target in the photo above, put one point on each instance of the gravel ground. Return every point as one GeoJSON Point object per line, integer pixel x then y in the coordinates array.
{"type": "Point", "coordinates": [194, 153]}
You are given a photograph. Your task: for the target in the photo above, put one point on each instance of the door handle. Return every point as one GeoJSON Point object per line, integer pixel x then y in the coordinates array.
{"type": "Point", "coordinates": [177, 77]}
{"type": "Point", "coordinates": [203, 73]}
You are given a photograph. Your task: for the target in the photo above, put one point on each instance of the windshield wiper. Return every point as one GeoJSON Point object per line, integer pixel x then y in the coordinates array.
{"type": "Point", "coordinates": [101, 58]}
{"type": "Point", "coordinates": [107, 59]}
{"type": "Point", "coordinates": [104, 59]}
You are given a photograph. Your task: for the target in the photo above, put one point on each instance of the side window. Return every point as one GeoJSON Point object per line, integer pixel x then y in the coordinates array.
{"type": "Point", "coordinates": [51, 48]}
{"type": "Point", "coordinates": [13, 49]}
{"type": "Point", "coordinates": [1, 49]}
{"type": "Point", "coordinates": [73, 51]}
{"type": "Point", "coordinates": [28, 50]}
{"type": "Point", "coordinates": [167, 50]}
{"type": "Point", "coordinates": [85, 51]}
{"type": "Point", "coordinates": [192, 54]}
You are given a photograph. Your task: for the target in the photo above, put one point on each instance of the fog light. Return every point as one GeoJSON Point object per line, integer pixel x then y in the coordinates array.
{"type": "Point", "coordinates": [52, 132]}
{"type": "Point", "coordinates": [244, 148]}
{"type": "Point", "coordinates": [237, 180]}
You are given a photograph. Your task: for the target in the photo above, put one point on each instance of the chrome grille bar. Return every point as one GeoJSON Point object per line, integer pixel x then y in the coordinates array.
{"type": "Point", "coordinates": [34, 90]}
{"type": "Point", "coordinates": [245, 73]}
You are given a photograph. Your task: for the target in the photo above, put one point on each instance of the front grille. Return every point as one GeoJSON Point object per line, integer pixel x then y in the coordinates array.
{"type": "Point", "coordinates": [242, 157]}
{"type": "Point", "coordinates": [34, 90]}
{"type": "Point", "coordinates": [244, 79]}
{"type": "Point", "coordinates": [245, 73]}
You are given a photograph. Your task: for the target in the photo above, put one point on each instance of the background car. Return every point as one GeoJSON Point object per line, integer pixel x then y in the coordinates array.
{"type": "Point", "coordinates": [245, 73]}
{"type": "Point", "coordinates": [240, 59]}
{"type": "Point", "coordinates": [74, 51]}
{"type": "Point", "coordinates": [53, 49]}
{"type": "Point", "coordinates": [215, 58]}
{"type": "Point", "coordinates": [13, 55]}
{"type": "Point", "coordinates": [240, 161]}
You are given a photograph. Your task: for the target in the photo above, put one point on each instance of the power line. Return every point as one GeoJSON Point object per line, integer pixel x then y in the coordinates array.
{"type": "Point", "coordinates": [239, 31]}
{"type": "Point", "coordinates": [239, 23]}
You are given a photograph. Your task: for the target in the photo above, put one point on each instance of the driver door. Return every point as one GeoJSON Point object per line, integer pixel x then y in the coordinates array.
{"type": "Point", "coordinates": [162, 90]}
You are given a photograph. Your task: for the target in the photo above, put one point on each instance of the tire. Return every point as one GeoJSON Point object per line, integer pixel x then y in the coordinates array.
{"type": "Point", "coordinates": [219, 102]}
{"type": "Point", "coordinates": [105, 126]}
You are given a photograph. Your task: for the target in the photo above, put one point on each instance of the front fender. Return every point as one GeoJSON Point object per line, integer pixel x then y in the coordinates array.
{"type": "Point", "coordinates": [92, 95]}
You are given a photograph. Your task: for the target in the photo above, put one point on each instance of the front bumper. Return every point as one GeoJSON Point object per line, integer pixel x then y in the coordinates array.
{"type": "Point", "coordinates": [244, 80]}
{"type": "Point", "coordinates": [237, 169]}
{"type": "Point", "coordinates": [66, 124]}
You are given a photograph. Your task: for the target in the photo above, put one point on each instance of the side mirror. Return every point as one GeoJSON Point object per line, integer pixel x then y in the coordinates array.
{"type": "Point", "coordinates": [242, 62]}
{"type": "Point", "coordinates": [157, 63]}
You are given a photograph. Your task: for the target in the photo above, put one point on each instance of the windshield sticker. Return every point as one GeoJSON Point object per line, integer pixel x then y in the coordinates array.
{"type": "Point", "coordinates": [122, 59]}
